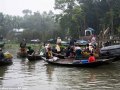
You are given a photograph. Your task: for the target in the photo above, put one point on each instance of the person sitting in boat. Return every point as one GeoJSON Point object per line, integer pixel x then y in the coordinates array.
{"type": "Point", "coordinates": [54, 49]}
{"type": "Point", "coordinates": [68, 51]}
{"type": "Point", "coordinates": [91, 48]}
{"type": "Point", "coordinates": [8, 55]}
{"type": "Point", "coordinates": [46, 47]}
{"type": "Point", "coordinates": [1, 54]}
{"type": "Point", "coordinates": [72, 51]}
{"type": "Point", "coordinates": [23, 46]}
{"type": "Point", "coordinates": [78, 52]}
{"type": "Point", "coordinates": [91, 58]}
{"type": "Point", "coordinates": [30, 51]}
{"type": "Point", "coordinates": [49, 53]}
{"type": "Point", "coordinates": [58, 48]}
{"type": "Point", "coordinates": [87, 48]}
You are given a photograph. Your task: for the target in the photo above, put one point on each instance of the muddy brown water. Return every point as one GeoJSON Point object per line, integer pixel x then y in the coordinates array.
{"type": "Point", "coordinates": [38, 75]}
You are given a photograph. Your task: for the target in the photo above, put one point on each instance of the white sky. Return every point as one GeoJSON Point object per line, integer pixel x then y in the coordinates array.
{"type": "Point", "coordinates": [15, 7]}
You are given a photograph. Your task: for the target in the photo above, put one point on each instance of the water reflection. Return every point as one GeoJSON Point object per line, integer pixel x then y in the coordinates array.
{"type": "Point", "coordinates": [28, 66]}
{"type": "Point", "coordinates": [38, 74]}
{"type": "Point", "coordinates": [92, 77]}
{"type": "Point", "coordinates": [49, 71]}
{"type": "Point", "coordinates": [3, 69]}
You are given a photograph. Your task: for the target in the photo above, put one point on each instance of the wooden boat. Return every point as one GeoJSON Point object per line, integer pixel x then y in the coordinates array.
{"type": "Point", "coordinates": [5, 62]}
{"type": "Point", "coordinates": [22, 53]}
{"type": "Point", "coordinates": [70, 62]}
{"type": "Point", "coordinates": [34, 57]}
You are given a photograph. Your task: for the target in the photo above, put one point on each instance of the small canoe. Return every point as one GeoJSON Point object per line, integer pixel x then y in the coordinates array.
{"type": "Point", "coordinates": [34, 57]}
{"type": "Point", "coordinates": [70, 62]}
{"type": "Point", "coordinates": [5, 62]}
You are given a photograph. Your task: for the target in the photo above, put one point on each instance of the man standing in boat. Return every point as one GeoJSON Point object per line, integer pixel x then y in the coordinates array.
{"type": "Point", "coordinates": [23, 45]}
{"type": "Point", "coordinates": [59, 41]}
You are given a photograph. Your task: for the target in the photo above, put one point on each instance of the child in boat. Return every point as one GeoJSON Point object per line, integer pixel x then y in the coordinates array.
{"type": "Point", "coordinates": [91, 58]}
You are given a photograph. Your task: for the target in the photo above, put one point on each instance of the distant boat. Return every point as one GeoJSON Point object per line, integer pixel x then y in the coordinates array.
{"type": "Point", "coordinates": [110, 51]}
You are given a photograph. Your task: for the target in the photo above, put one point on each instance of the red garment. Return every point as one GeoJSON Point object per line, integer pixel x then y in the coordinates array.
{"type": "Point", "coordinates": [91, 59]}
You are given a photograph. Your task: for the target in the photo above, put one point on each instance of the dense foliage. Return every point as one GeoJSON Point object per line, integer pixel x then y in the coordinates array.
{"type": "Point", "coordinates": [77, 15]}
{"type": "Point", "coordinates": [35, 25]}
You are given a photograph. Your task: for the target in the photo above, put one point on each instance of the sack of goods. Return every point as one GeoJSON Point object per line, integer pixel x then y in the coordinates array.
{"type": "Point", "coordinates": [8, 55]}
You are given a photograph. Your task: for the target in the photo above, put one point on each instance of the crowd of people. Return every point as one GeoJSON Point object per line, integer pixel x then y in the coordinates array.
{"type": "Point", "coordinates": [72, 51]}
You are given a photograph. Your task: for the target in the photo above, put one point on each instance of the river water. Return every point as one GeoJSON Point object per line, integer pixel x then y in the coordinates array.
{"type": "Point", "coordinates": [26, 75]}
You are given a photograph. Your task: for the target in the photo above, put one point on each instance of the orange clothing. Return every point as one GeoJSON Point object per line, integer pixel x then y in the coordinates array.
{"type": "Point", "coordinates": [23, 50]}
{"type": "Point", "coordinates": [91, 59]}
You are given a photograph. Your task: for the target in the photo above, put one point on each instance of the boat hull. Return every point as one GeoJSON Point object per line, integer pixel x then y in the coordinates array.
{"type": "Point", "coordinates": [34, 57]}
{"type": "Point", "coordinates": [78, 63]}
{"type": "Point", "coordinates": [5, 62]}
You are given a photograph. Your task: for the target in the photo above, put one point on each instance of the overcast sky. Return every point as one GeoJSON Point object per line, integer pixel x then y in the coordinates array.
{"type": "Point", "coordinates": [15, 7]}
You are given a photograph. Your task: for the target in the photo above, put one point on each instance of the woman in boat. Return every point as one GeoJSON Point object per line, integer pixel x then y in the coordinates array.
{"type": "Point", "coordinates": [49, 52]}
{"type": "Point", "coordinates": [23, 46]}
{"type": "Point", "coordinates": [91, 58]}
